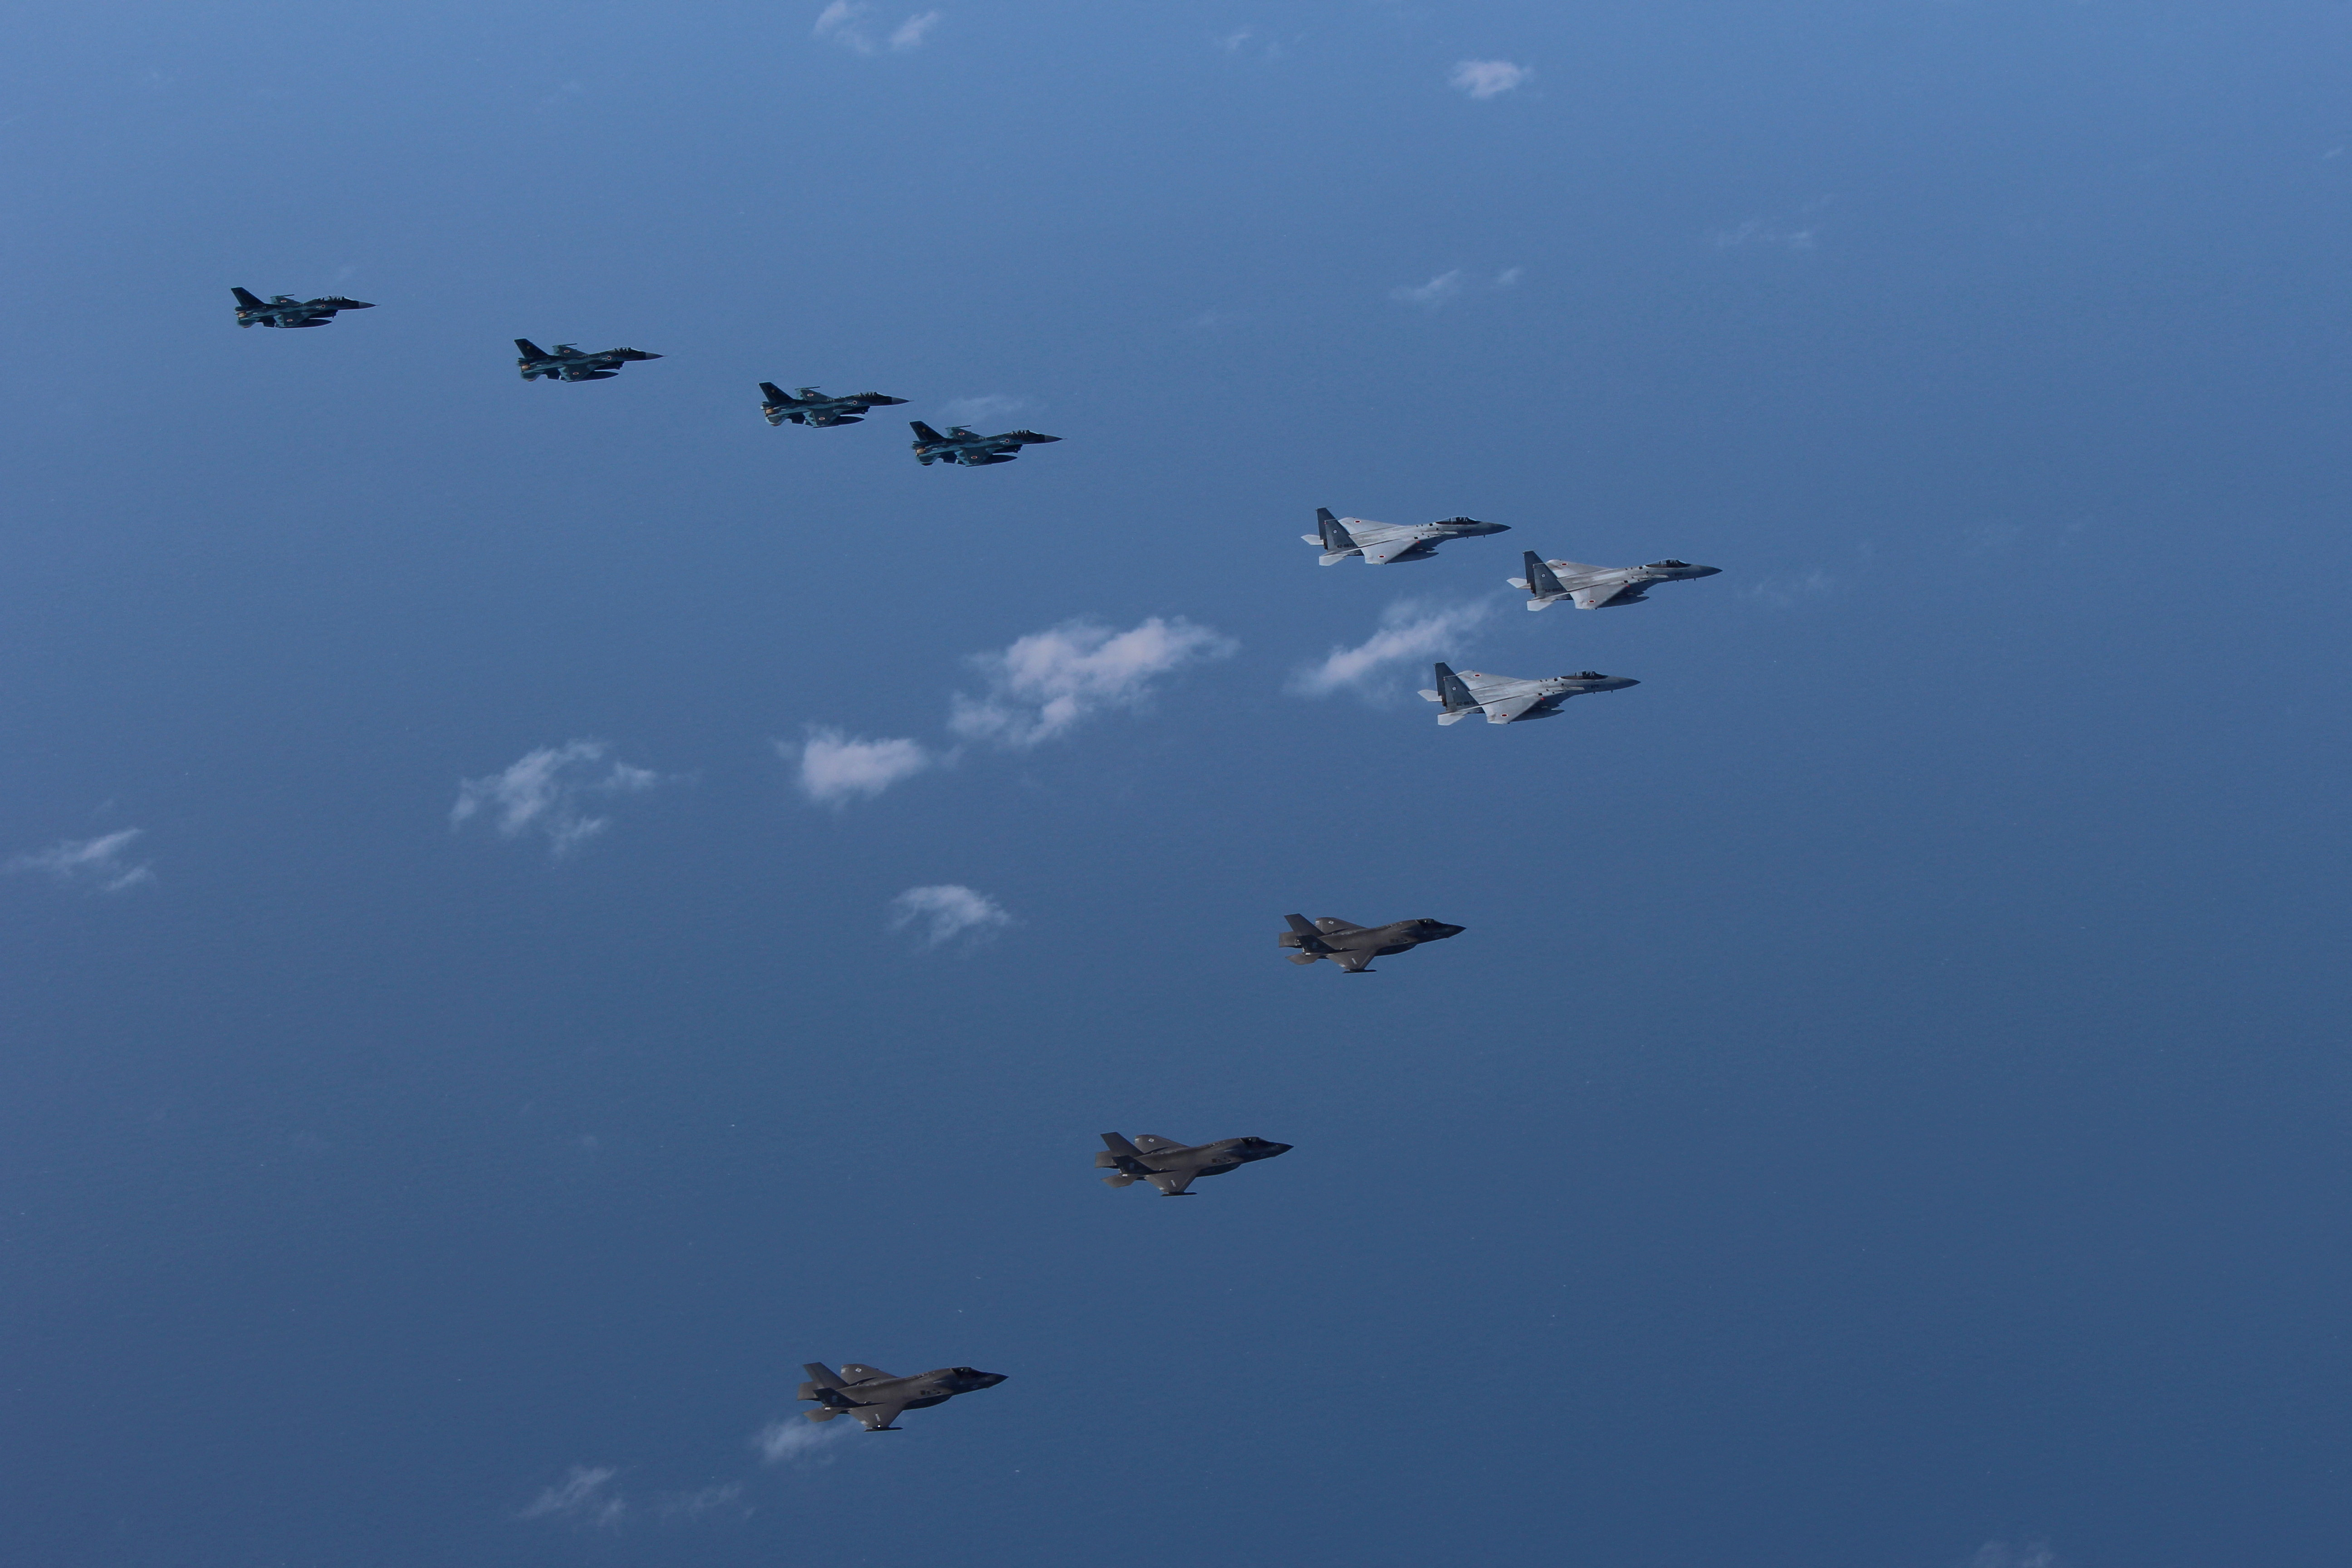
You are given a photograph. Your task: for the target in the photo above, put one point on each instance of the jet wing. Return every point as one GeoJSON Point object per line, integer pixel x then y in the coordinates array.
{"type": "Point", "coordinates": [1171, 1183]}
{"type": "Point", "coordinates": [874, 1417]}
{"type": "Point", "coordinates": [1509, 707]}
{"type": "Point", "coordinates": [1595, 597]}
{"type": "Point", "coordinates": [1388, 550]}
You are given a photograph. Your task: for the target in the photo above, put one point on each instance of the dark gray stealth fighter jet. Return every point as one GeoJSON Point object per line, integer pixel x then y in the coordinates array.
{"type": "Point", "coordinates": [960, 445]}
{"type": "Point", "coordinates": [876, 1398]}
{"type": "Point", "coordinates": [1172, 1166]}
{"type": "Point", "coordinates": [285, 310]}
{"type": "Point", "coordinates": [566, 363]}
{"type": "Point", "coordinates": [808, 408]}
{"type": "Point", "coordinates": [1353, 947]}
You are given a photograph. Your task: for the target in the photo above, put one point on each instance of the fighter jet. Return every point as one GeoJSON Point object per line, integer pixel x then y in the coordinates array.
{"type": "Point", "coordinates": [1506, 699]}
{"type": "Point", "coordinates": [569, 363]}
{"type": "Point", "coordinates": [285, 310]}
{"type": "Point", "coordinates": [960, 445]}
{"type": "Point", "coordinates": [1353, 947]}
{"type": "Point", "coordinates": [875, 1397]}
{"type": "Point", "coordinates": [1382, 543]}
{"type": "Point", "coordinates": [1597, 587]}
{"type": "Point", "coordinates": [808, 408]}
{"type": "Point", "coordinates": [1170, 1166]}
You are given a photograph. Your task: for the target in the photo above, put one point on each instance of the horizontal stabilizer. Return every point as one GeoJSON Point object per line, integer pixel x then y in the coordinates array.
{"type": "Point", "coordinates": [1121, 1181]}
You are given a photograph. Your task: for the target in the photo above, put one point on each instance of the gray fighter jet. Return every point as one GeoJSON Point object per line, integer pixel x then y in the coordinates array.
{"type": "Point", "coordinates": [1380, 543]}
{"type": "Point", "coordinates": [1172, 1166]}
{"type": "Point", "coordinates": [1505, 700]}
{"type": "Point", "coordinates": [1353, 947]}
{"type": "Point", "coordinates": [1597, 587]}
{"type": "Point", "coordinates": [565, 363]}
{"type": "Point", "coordinates": [875, 1397]}
{"type": "Point", "coordinates": [808, 408]}
{"type": "Point", "coordinates": [960, 445]}
{"type": "Point", "coordinates": [285, 310]}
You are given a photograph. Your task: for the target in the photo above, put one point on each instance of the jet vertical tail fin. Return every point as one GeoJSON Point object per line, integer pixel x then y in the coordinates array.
{"type": "Point", "coordinates": [529, 349]}
{"type": "Point", "coordinates": [774, 396]}
{"type": "Point", "coordinates": [245, 300]}
{"type": "Point", "coordinates": [1543, 583]}
{"type": "Point", "coordinates": [1455, 694]}
{"type": "Point", "coordinates": [1337, 540]}
{"type": "Point", "coordinates": [924, 432]}
{"type": "Point", "coordinates": [820, 1376]}
{"type": "Point", "coordinates": [1116, 1145]}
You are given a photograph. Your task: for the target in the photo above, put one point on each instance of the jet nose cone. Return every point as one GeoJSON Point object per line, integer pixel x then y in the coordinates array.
{"type": "Point", "coordinates": [991, 1379]}
{"type": "Point", "coordinates": [1274, 1149]}
{"type": "Point", "coordinates": [1620, 683]}
{"type": "Point", "coordinates": [1440, 929]}
{"type": "Point", "coordinates": [1708, 572]}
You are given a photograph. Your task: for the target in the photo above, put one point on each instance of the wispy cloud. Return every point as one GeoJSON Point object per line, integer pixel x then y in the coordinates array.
{"type": "Point", "coordinates": [1435, 292]}
{"type": "Point", "coordinates": [1508, 278]}
{"type": "Point", "coordinates": [1765, 231]}
{"type": "Point", "coordinates": [1487, 78]}
{"type": "Point", "coordinates": [789, 1441]}
{"type": "Point", "coordinates": [581, 1499]}
{"type": "Point", "coordinates": [988, 406]}
{"type": "Point", "coordinates": [836, 768]}
{"type": "Point", "coordinates": [546, 792]}
{"type": "Point", "coordinates": [947, 912]}
{"type": "Point", "coordinates": [1410, 630]}
{"type": "Point", "coordinates": [1050, 680]}
{"type": "Point", "coordinates": [97, 864]}
{"type": "Point", "coordinates": [848, 22]}
{"type": "Point", "coordinates": [2002, 1554]}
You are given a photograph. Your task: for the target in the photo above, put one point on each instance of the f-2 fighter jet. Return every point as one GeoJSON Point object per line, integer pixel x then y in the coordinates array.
{"type": "Point", "coordinates": [1505, 700]}
{"type": "Point", "coordinates": [285, 310]}
{"type": "Point", "coordinates": [960, 445]}
{"type": "Point", "coordinates": [875, 1397]}
{"type": "Point", "coordinates": [808, 408]}
{"type": "Point", "coordinates": [1597, 587]}
{"type": "Point", "coordinates": [1353, 947]}
{"type": "Point", "coordinates": [1380, 543]}
{"type": "Point", "coordinates": [1172, 1166]}
{"type": "Point", "coordinates": [565, 363]}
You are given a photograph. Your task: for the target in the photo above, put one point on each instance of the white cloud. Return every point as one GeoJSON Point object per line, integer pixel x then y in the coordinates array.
{"type": "Point", "coordinates": [692, 1506]}
{"type": "Point", "coordinates": [99, 863]}
{"type": "Point", "coordinates": [845, 23]}
{"type": "Point", "coordinates": [581, 1499]}
{"type": "Point", "coordinates": [911, 32]}
{"type": "Point", "coordinates": [1409, 630]}
{"type": "Point", "coordinates": [1435, 292]}
{"type": "Point", "coordinates": [545, 791]}
{"type": "Point", "coordinates": [949, 911]}
{"type": "Point", "coordinates": [1764, 231]}
{"type": "Point", "coordinates": [1049, 681]}
{"type": "Point", "coordinates": [1485, 79]}
{"type": "Point", "coordinates": [990, 405]}
{"type": "Point", "coordinates": [1508, 278]}
{"type": "Point", "coordinates": [836, 768]}
{"type": "Point", "coordinates": [785, 1442]}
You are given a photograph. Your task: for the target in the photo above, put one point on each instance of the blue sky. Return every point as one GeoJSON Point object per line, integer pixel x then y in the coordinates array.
{"type": "Point", "coordinates": [1886, 1110]}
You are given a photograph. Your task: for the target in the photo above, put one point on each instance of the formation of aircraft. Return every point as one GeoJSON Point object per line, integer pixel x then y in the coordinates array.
{"type": "Point", "coordinates": [1353, 947]}
{"type": "Point", "coordinates": [1172, 1166]}
{"type": "Point", "coordinates": [808, 408]}
{"type": "Point", "coordinates": [877, 1399]}
{"type": "Point", "coordinates": [565, 363]}
{"type": "Point", "coordinates": [1508, 699]}
{"type": "Point", "coordinates": [1382, 543]}
{"type": "Point", "coordinates": [960, 445]}
{"type": "Point", "coordinates": [1597, 587]}
{"type": "Point", "coordinates": [285, 310]}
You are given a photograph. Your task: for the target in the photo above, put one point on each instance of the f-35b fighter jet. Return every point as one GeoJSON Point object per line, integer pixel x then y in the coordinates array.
{"type": "Point", "coordinates": [1353, 947]}
{"type": "Point", "coordinates": [1597, 587]}
{"type": "Point", "coordinates": [1505, 700]}
{"type": "Point", "coordinates": [808, 408]}
{"type": "Point", "coordinates": [960, 445]}
{"type": "Point", "coordinates": [565, 363]}
{"type": "Point", "coordinates": [285, 310]}
{"type": "Point", "coordinates": [1172, 1166]}
{"type": "Point", "coordinates": [1380, 543]}
{"type": "Point", "coordinates": [875, 1397]}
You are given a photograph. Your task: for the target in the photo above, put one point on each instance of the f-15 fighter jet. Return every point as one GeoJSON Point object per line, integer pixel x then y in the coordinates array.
{"type": "Point", "coordinates": [1382, 543]}
{"type": "Point", "coordinates": [1353, 947]}
{"type": "Point", "coordinates": [1597, 587]}
{"type": "Point", "coordinates": [1505, 698]}
{"type": "Point", "coordinates": [960, 445]}
{"type": "Point", "coordinates": [875, 1397]}
{"type": "Point", "coordinates": [285, 310]}
{"type": "Point", "coordinates": [808, 408]}
{"type": "Point", "coordinates": [1172, 1166]}
{"type": "Point", "coordinates": [565, 363]}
